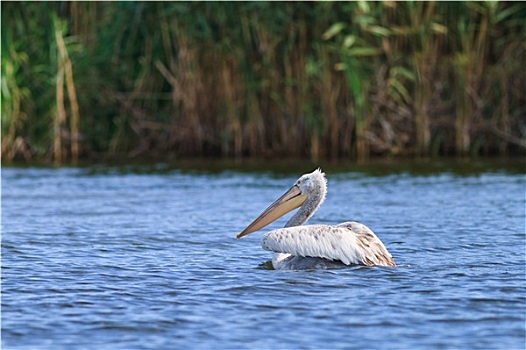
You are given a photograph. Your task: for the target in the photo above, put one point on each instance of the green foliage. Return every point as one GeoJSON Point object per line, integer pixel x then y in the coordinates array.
{"type": "Point", "coordinates": [265, 79]}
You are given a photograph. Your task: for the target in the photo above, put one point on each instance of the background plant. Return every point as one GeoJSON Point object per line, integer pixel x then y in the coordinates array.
{"type": "Point", "coordinates": [262, 79]}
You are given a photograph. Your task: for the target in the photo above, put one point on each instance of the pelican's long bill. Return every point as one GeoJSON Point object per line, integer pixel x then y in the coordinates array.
{"type": "Point", "coordinates": [289, 201]}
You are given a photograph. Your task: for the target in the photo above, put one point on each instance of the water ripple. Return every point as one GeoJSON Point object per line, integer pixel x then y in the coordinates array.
{"type": "Point", "coordinates": [96, 258]}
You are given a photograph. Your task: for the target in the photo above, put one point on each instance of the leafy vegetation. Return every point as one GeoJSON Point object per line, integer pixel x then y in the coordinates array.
{"type": "Point", "coordinates": [262, 79]}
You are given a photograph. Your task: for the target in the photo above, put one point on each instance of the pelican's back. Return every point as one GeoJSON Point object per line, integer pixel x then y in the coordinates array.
{"type": "Point", "coordinates": [349, 242]}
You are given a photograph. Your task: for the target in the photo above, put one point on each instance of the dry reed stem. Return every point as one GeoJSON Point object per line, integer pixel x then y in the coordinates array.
{"type": "Point", "coordinates": [60, 116]}
{"type": "Point", "coordinates": [65, 70]}
{"type": "Point", "coordinates": [72, 95]}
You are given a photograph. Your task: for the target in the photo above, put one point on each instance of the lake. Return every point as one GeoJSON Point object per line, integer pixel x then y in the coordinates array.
{"type": "Point", "coordinates": [145, 257]}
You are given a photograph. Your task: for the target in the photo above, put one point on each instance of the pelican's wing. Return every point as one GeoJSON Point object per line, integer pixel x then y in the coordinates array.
{"type": "Point", "coordinates": [349, 242]}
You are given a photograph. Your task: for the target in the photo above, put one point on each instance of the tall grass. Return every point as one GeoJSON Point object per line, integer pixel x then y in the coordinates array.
{"type": "Point", "coordinates": [262, 79]}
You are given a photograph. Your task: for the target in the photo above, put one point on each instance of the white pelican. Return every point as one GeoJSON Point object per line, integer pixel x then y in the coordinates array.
{"type": "Point", "coordinates": [315, 246]}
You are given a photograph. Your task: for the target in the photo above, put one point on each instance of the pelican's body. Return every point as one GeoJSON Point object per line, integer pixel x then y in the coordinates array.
{"type": "Point", "coordinates": [315, 246]}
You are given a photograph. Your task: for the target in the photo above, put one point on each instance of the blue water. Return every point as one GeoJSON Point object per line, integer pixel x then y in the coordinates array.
{"type": "Point", "coordinates": [110, 258]}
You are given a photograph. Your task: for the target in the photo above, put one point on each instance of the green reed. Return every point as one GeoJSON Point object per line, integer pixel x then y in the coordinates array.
{"type": "Point", "coordinates": [261, 79]}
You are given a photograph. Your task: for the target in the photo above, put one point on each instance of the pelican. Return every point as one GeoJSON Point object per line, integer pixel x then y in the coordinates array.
{"type": "Point", "coordinates": [315, 246]}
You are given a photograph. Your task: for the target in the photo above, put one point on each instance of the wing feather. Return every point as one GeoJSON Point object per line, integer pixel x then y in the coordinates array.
{"type": "Point", "coordinates": [349, 242]}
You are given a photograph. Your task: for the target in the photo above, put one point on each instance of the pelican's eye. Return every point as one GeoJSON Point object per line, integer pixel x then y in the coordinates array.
{"type": "Point", "coordinates": [298, 182]}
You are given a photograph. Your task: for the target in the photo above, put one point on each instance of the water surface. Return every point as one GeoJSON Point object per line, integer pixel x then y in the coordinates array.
{"type": "Point", "coordinates": [146, 258]}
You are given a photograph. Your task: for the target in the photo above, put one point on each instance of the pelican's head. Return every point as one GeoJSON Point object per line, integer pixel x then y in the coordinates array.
{"type": "Point", "coordinates": [308, 186]}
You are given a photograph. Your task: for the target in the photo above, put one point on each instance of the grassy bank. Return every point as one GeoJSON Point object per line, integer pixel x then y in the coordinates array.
{"type": "Point", "coordinates": [338, 80]}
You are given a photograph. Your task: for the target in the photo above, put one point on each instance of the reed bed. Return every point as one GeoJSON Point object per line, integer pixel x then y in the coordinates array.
{"type": "Point", "coordinates": [317, 80]}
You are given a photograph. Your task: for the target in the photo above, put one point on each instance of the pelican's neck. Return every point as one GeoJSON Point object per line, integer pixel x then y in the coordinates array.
{"type": "Point", "coordinates": [312, 203]}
